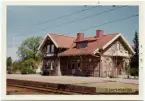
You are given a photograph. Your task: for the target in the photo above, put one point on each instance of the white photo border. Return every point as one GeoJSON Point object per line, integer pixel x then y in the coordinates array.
{"type": "Point", "coordinates": [74, 97]}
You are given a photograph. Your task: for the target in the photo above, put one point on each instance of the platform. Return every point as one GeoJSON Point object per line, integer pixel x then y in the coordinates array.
{"type": "Point", "coordinates": [101, 84]}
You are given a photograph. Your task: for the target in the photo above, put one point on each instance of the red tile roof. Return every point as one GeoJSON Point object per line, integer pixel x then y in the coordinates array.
{"type": "Point", "coordinates": [63, 41]}
{"type": "Point", "coordinates": [92, 46]}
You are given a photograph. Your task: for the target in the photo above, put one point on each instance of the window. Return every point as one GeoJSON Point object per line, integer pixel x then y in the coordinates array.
{"type": "Point", "coordinates": [78, 45]}
{"type": "Point", "coordinates": [79, 66]}
{"type": "Point", "coordinates": [119, 46]}
{"type": "Point", "coordinates": [52, 48]}
{"type": "Point", "coordinates": [69, 65]}
{"type": "Point", "coordinates": [82, 45]}
{"type": "Point", "coordinates": [48, 64]}
{"type": "Point", "coordinates": [73, 66]}
{"type": "Point", "coordinates": [48, 48]}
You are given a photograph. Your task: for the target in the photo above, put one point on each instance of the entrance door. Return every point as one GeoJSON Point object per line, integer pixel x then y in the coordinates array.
{"type": "Point", "coordinates": [119, 70]}
{"type": "Point", "coordinates": [118, 63]}
{"type": "Point", "coordinates": [120, 67]}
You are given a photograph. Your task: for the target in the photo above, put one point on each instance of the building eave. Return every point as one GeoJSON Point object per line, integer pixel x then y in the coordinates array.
{"type": "Point", "coordinates": [45, 38]}
{"type": "Point", "coordinates": [125, 41]}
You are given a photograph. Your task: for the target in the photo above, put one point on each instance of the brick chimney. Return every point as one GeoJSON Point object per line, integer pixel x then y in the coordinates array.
{"type": "Point", "coordinates": [80, 36]}
{"type": "Point", "coordinates": [99, 33]}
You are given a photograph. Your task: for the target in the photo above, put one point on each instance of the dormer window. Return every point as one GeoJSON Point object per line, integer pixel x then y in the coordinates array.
{"type": "Point", "coordinates": [84, 45]}
{"type": "Point", "coordinates": [81, 45]}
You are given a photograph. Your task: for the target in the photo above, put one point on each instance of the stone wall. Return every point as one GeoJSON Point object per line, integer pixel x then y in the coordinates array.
{"type": "Point", "coordinates": [113, 66]}
{"type": "Point", "coordinates": [107, 67]}
{"type": "Point", "coordinates": [114, 59]}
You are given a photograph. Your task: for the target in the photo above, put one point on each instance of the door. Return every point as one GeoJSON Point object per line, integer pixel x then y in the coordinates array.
{"type": "Point", "coordinates": [120, 67]}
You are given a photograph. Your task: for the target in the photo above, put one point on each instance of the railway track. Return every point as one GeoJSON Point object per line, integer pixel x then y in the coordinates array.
{"type": "Point", "coordinates": [53, 88]}
{"type": "Point", "coordinates": [66, 89]}
{"type": "Point", "coordinates": [43, 90]}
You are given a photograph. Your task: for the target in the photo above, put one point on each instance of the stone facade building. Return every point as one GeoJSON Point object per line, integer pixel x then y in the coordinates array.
{"type": "Point", "coordinates": [102, 55]}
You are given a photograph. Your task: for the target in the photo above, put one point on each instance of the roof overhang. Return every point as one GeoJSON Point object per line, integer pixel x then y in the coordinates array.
{"type": "Point", "coordinates": [56, 44]}
{"type": "Point", "coordinates": [45, 39]}
{"type": "Point", "coordinates": [111, 41]}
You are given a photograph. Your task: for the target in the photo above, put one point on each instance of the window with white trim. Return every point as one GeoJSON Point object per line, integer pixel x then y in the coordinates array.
{"type": "Point", "coordinates": [48, 48]}
{"type": "Point", "coordinates": [52, 48]}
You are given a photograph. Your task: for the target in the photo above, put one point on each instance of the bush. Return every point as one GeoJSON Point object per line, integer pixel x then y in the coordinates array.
{"type": "Point", "coordinates": [27, 70]}
{"type": "Point", "coordinates": [45, 72]}
{"type": "Point", "coordinates": [111, 76]}
{"type": "Point", "coordinates": [134, 71]}
{"type": "Point", "coordinates": [29, 67]}
{"type": "Point", "coordinates": [24, 70]}
{"type": "Point", "coordinates": [134, 68]}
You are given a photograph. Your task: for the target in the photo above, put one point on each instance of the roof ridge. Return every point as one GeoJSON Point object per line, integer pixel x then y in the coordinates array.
{"type": "Point", "coordinates": [62, 35]}
{"type": "Point", "coordinates": [103, 35]}
{"type": "Point", "coordinates": [112, 34]}
{"type": "Point", "coordinates": [85, 37]}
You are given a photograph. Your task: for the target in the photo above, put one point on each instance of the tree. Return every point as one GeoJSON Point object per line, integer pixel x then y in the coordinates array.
{"type": "Point", "coordinates": [28, 53]}
{"type": "Point", "coordinates": [9, 64]}
{"type": "Point", "coordinates": [127, 68]}
{"type": "Point", "coordinates": [135, 58]}
{"type": "Point", "coordinates": [17, 66]}
{"type": "Point", "coordinates": [28, 48]}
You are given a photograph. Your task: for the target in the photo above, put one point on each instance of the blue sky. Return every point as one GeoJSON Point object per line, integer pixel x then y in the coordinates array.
{"type": "Point", "coordinates": [26, 21]}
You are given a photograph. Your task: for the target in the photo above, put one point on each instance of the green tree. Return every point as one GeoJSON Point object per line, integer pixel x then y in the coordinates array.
{"type": "Point", "coordinates": [28, 48]}
{"type": "Point", "coordinates": [135, 58]}
{"type": "Point", "coordinates": [17, 66]}
{"type": "Point", "coordinates": [28, 53]}
{"type": "Point", "coordinates": [128, 70]}
{"type": "Point", "coordinates": [9, 64]}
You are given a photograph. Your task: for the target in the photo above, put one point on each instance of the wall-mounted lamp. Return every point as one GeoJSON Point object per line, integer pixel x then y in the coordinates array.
{"type": "Point", "coordinates": [90, 59]}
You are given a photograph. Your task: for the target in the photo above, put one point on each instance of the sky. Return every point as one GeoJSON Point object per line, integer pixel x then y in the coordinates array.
{"type": "Point", "coordinates": [28, 21]}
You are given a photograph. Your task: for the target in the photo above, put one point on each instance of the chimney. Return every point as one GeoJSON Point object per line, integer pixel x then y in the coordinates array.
{"type": "Point", "coordinates": [80, 36]}
{"type": "Point", "coordinates": [99, 33]}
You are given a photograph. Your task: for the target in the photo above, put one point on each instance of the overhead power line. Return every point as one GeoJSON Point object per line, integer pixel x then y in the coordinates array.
{"type": "Point", "coordinates": [66, 15]}
{"type": "Point", "coordinates": [62, 24]}
{"type": "Point", "coordinates": [108, 22]}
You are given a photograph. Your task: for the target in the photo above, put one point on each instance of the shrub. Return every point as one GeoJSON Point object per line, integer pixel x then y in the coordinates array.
{"type": "Point", "coordinates": [24, 70]}
{"type": "Point", "coordinates": [111, 76]}
{"type": "Point", "coordinates": [134, 71]}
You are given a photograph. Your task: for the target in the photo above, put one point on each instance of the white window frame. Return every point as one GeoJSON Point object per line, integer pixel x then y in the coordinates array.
{"type": "Point", "coordinates": [52, 48]}
{"type": "Point", "coordinates": [48, 49]}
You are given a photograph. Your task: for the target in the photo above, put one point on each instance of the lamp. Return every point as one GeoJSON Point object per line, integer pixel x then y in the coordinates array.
{"type": "Point", "coordinates": [90, 59]}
